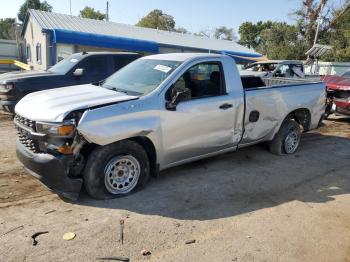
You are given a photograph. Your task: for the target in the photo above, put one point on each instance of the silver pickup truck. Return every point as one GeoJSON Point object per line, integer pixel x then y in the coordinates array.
{"type": "Point", "coordinates": [158, 112]}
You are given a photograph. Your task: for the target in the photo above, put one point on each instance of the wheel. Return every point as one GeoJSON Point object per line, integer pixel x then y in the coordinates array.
{"type": "Point", "coordinates": [116, 170]}
{"type": "Point", "coordinates": [287, 140]}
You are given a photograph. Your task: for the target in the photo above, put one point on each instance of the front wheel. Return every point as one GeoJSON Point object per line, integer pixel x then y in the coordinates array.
{"type": "Point", "coordinates": [287, 139]}
{"type": "Point", "coordinates": [116, 170]}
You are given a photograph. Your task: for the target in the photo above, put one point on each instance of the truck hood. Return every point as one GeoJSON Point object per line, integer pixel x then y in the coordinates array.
{"type": "Point", "coordinates": [335, 82]}
{"type": "Point", "coordinates": [18, 75]}
{"type": "Point", "coordinates": [54, 105]}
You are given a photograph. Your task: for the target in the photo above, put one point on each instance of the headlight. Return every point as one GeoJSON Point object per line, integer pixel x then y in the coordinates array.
{"type": "Point", "coordinates": [6, 87]}
{"type": "Point", "coordinates": [62, 130]}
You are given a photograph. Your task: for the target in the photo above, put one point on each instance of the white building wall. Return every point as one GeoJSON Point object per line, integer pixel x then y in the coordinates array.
{"type": "Point", "coordinates": [328, 68]}
{"type": "Point", "coordinates": [34, 36]}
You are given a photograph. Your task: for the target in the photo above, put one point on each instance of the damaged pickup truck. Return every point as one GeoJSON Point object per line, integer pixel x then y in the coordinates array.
{"type": "Point", "coordinates": [158, 112]}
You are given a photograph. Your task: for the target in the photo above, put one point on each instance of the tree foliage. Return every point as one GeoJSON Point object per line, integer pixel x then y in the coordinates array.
{"type": "Point", "coordinates": [308, 16]}
{"type": "Point", "coordinates": [250, 33]}
{"type": "Point", "coordinates": [8, 28]}
{"type": "Point", "coordinates": [32, 4]}
{"type": "Point", "coordinates": [91, 13]}
{"type": "Point", "coordinates": [282, 41]}
{"type": "Point", "coordinates": [339, 36]}
{"type": "Point", "coordinates": [158, 20]}
{"type": "Point", "coordinates": [224, 33]}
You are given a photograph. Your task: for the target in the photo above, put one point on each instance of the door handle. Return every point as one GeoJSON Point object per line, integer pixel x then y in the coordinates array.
{"type": "Point", "coordinates": [225, 106]}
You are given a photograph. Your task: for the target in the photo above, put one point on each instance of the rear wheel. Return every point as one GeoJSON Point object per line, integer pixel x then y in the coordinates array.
{"type": "Point", "coordinates": [287, 139]}
{"type": "Point", "coordinates": [116, 170]}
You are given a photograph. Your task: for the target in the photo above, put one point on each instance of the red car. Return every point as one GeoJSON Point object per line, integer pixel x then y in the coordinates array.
{"type": "Point", "coordinates": [338, 89]}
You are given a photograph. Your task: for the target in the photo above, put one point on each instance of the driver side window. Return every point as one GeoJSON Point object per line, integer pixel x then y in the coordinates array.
{"type": "Point", "coordinates": [203, 80]}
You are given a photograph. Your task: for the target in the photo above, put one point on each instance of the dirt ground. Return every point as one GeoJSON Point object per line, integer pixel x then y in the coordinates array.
{"type": "Point", "coordinates": [247, 205]}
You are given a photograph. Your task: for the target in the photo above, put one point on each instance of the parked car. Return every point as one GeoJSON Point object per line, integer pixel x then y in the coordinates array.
{"type": "Point", "coordinates": [275, 68]}
{"type": "Point", "coordinates": [154, 114]}
{"type": "Point", "coordinates": [80, 68]}
{"type": "Point", "coordinates": [338, 89]}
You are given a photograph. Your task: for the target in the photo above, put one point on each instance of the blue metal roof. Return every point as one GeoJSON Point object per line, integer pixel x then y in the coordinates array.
{"type": "Point", "coordinates": [127, 34]}
{"type": "Point", "coordinates": [107, 41]}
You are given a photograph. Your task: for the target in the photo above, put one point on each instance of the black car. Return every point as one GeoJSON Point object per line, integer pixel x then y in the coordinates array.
{"type": "Point", "coordinates": [77, 69]}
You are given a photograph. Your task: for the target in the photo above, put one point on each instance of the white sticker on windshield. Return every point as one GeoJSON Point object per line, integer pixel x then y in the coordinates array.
{"type": "Point", "coordinates": [163, 68]}
{"type": "Point", "coordinates": [73, 60]}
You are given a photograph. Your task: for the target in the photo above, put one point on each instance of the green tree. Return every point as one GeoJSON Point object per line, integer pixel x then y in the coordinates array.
{"type": "Point", "coordinates": [89, 12]}
{"type": "Point", "coordinates": [250, 33]}
{"type": "Point", "coordinates": [158, 20]}
{"type": "Point", "coordinates": [282, 41]}
{"type": "Point", "coordinates": [181, 30]}
{"type": "Point", "coordinates": [8, 28]}
{"type": "Point", "coordinates": [308, 16]}
{"type": "Point", "coordinates": [339, 36]}
{"type": "Point", "coordinates": [32, 4]}
{"type": "Point", "coordinates": [225, 33]}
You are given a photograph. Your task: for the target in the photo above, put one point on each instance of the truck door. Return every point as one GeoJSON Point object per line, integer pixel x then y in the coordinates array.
{"type": "Point", "coordinates": [204, 122]}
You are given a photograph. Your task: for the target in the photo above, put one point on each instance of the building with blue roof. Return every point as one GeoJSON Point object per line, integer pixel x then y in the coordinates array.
{"type": "Point", "coordinates": [50, 37]}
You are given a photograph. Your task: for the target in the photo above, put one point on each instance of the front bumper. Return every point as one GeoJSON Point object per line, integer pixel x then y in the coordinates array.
{"type": "Point", "coordinates": [342, 106]}
{"type": "Point", "coordinates": [52, 171]}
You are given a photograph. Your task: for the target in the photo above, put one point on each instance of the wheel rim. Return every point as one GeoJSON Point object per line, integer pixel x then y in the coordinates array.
{"type": "Point", "coordinates": [291, 142]}
{"type": "Point", "coordinates": [122, 174]}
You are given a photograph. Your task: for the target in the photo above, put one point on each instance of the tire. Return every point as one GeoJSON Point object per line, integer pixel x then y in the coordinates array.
{"type": "Point", "coordinates": [287, 140]}
{"type": "Point", "coordinates": [116, 170]}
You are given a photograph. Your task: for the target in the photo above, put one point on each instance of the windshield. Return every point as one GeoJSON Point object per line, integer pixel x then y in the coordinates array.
{"type": "Point", "coordinates": [141, 77]}
{"type": "Point", "coordinates": [65, 65]}
{"type": "Point", "coordinates": [264, 67]}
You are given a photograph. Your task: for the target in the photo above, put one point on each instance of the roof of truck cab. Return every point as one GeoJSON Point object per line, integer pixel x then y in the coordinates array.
{"type": "Point", "coordinates": [181, 57]}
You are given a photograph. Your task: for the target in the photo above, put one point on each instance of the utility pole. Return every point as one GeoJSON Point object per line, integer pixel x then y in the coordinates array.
{"type": "Point", "coordinates": [320, 21]}
{"type": "Point", "coordinates": [107, 11]}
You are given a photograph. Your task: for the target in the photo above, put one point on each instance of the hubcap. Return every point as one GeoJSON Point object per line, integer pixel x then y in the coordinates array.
{"type": "Point", "coordinates": [291, 142]}
{"type": "Point", "coordinates": [122, 174]}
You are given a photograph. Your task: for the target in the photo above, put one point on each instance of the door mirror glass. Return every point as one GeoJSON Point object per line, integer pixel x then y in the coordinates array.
{"type": "Point", "coordinates": [177, 96]}
{"type": "Point", "coordinates": [78, 72]}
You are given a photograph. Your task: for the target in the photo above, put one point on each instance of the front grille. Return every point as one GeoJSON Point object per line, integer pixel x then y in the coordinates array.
{"type": "Point", "coordinates": [26, 122]}
{"type": "Point", "coordinates": [24, 136]}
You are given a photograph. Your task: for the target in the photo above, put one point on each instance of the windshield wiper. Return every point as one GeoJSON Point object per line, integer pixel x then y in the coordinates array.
{"type": "Point", "coordinates": [116, 89]}
{"type": "Point", "coordinates": [130, 93]}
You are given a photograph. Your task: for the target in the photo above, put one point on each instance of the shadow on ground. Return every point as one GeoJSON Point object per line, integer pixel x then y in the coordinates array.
{"type": "Point", "coordinates": [243, 181]}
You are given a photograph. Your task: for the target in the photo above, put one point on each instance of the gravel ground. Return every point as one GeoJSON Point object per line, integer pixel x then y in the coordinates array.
{"type": "Point", "coordinates": [247, 205]}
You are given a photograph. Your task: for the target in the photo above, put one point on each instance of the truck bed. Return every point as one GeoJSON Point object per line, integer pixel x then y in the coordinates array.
{"type": "Point", "coordinates": [255, 82]}
{"type": "Point", "coordinates": [275, 99]}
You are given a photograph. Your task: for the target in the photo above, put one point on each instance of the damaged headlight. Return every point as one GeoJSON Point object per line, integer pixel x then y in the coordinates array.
{"type": "Point", "coordinates": [59, 136]}
{"type": "Point", "coordinates": [65, 129]}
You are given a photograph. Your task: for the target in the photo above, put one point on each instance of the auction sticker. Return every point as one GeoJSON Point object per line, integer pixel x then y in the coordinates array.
{"type": "Point", "coordinates": [163, 68]}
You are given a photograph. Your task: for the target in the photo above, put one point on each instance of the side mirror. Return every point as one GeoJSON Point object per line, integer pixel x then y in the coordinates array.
{"type": "Point", "coordinates": [177, 97]}
{"type": "Point", "coordinates": [78, 72]}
